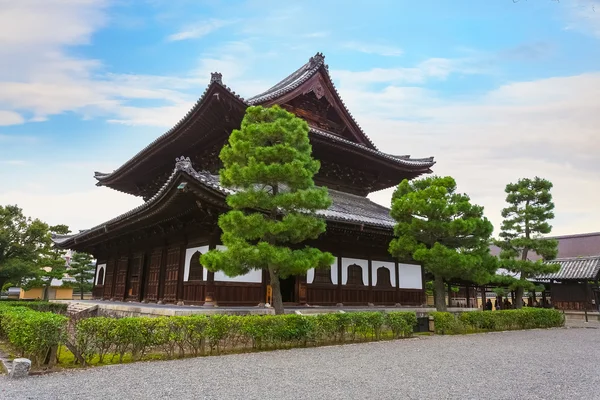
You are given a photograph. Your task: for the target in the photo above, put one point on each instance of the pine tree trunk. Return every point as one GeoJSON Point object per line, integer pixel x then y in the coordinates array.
{"type": "Point", "coordinates": [276, 287]}
{"type": "Point", "coordinates": [440, 294]}
{"type": "Point", "coordinates": [519, 297]}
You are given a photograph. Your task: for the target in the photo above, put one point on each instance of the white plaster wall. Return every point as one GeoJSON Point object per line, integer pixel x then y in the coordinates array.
{"type": "Point", "coordinates": [410, 276]}
{"type": "Point", "coordinates": [375, 265]}
{"type": "Point", "coordinates": [103, 266]}
{"type": "Point", "coordinates": [364, 264]}
{"type": "Point", "coordinates": [188, 257]}
{"type": "Point", "coordinates": [254, 276]}
{"type": "Point", "coordinates": [310, 274]}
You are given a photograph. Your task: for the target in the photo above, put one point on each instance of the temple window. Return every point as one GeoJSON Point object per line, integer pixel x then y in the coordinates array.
{"type": "Point", "coordinates": [355, 275]}
{"type": "Point", "coordinates": [323, 276]}
{"type": "Point", "coordinates": [196, 269]}
{"type": "Point", "coordinates": [383, 278]}
{"type": "Point", "coordinates": [100, 276]}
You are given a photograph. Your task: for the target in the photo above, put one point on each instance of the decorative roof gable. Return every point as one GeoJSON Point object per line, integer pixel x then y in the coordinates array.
{"type": "Point", "coordinates": [309, 92]}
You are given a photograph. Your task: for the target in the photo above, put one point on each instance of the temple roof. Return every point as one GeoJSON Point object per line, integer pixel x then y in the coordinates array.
{"type": "Point", "coordinates": [573, 268]}
{"type": "Point", "coordinates": [345, 207]}
{"type": "Point", "coordinates": [314, 66]}
{"type": "Point", "coordinates": [219, 110]}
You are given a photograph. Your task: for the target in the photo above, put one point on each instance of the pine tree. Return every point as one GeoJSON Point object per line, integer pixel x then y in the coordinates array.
{"type": "Point", "coordinates": [525, 221]}
{"type": "Point", "coordinates": [443, 231]}
{"type": "Point", "coordinates": [82, 270]}
{"type": "Point", "coordinates": [269, 165]}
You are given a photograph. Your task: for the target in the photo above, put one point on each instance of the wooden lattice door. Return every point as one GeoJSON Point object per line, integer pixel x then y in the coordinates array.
{"type": "Point", "coordinates": [108, 279]}
{"type": "Point", "coordinates": [121, 281]}
{"type": "Point", "coordinates": [172, 273]}
{"type": "Point", "coordinates": [153, 278]}
{"type": "Point", "coordinates": [135, 269]}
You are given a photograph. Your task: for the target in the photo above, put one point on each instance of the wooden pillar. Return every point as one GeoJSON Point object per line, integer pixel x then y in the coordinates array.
{"type": "Point", "coordinates": [512, 297]}
{"type": "Point", "coordinates": [483, 297]}
{"type": "Point", "coordinates": [210, 299]}
{"type": "Point", "coordinates": [162, 273]}
{"type": "Point", "coordinates": [339, 282]}
{"type": "Point", "coordinates": [370, 272]}
{"type": "Point", "coordinates": [467, 292]}
{"type": "Point", "coordinates": [397, 272]}
{"type": "Point", "coordinates": [449, 294]}
{"type": "Point", "coordinates": [179, 297]}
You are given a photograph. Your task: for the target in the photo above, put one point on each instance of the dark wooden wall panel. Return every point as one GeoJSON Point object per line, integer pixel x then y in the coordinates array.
{"type": "Point", "coordinates": [355, 295]}
{"type": "Point", "coordinates": [238, 293]}
{"type": "Point", "coordinates": [321, 294]}
{"type": "Point", "coordinates": [121, 280]}
{"type": "Point", "coordinates": [109, 279]}
{"type": "Point", "coordinates": [133, 278]}
{"type": "Point", "coordinates": [172, 273]}
{"type": "Point", "coordinates": [384, 296]}
{"type": "Point", "coordinates": [153, 278]}
{"type": "Point", "coordinates": [194, 292]}
{"type": "Point", "coordinates": [411, 297]}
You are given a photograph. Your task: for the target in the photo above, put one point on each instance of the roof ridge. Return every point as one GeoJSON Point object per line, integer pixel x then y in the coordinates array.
{"type": "Point", "coordinates": [574, 258]}
{"type": "Point", "coordinates": [406, 161]}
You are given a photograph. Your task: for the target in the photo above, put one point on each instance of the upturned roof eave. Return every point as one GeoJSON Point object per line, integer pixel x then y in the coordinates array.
{"type": "Point", "coordinates": [184, 171]}
{"type": "Point", "coordinates": [105, 179]}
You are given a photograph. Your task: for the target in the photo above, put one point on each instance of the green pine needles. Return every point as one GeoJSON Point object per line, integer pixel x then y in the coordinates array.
{"type": "Point", "coordinates": [526, 219]}
{"type": "Point", "coordinates": [269, 165]}
{"type": "Point", "coordinates": [442, 230]}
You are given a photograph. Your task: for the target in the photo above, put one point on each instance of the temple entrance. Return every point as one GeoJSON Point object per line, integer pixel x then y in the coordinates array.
{"type": "Point", "coordinates": [288, 289]}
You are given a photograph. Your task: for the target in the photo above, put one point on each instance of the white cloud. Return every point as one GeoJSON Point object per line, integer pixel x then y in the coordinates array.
{"type": "Point", "coordinates": [374, 48]}
{"type": "Point", "coordinates": [10, 118]}
{"type": "Point", "coordinates": [77, 209]}
{"type": "Point", "coordinates": [432, 68]}
{"type": "Point", "coordinates": [14, 162]}
{"type": "Point", "coordinates": [583, 16]}
{"type": "Point", "coordinates": [545, 127]}
{"type": "Point", "coordinates": [199, 29]}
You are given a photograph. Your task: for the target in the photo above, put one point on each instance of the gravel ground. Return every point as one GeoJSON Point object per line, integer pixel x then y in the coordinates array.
{"type": "Point", "coordinates": [550, 364]}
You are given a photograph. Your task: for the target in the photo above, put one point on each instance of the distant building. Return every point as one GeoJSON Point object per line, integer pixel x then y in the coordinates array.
{"type": "Point", "coordinates": [576, 285]}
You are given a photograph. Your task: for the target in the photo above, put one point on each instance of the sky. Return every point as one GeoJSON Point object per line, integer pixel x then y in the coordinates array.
{"type": "Point", "coordinates": [494, 90]}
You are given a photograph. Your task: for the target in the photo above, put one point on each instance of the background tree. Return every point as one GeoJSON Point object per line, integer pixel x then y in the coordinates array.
{"type": "Point", "coordinates": [269, 164]}
{"type": "Point", "coordinates": [443, 231]}
{"type": "Point", "coordinates": [49, 263]}
{"type": "Point", "coordinates": [82, 270]}
{"type": "Point", "coordinates": [525, 221]}
{"type": "Point", "coordinates": [21, 238]}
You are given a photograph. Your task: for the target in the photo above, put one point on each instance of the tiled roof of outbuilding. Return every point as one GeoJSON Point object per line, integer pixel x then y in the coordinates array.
{"type": "Point", "coordinates": [575, 268]}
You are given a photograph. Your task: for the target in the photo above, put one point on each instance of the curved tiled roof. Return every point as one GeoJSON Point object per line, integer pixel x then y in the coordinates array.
{"type": "Point", "coordinates": [288, 84]}
{"type": "Point", "coordinates": [403, 160]}
{"type": "Point", "coordinates": [574, 268]}
{"type": "Point", "coordinates": [296, 79]}
{"type": "Point", "coordinates": [215, 80]}
{"type": "Point", "coordinates": [345, 207]}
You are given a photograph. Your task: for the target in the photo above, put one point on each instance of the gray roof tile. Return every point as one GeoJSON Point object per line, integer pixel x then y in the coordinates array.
{"type": "Point", "coordinates": [575, 268]}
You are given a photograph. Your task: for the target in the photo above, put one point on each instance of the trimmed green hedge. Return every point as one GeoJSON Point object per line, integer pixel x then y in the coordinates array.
{"type": "Point", "coordinates": [33, 334]}
{"type": "Point", "coordinates": [42, 306]}
{"type": "Point", "coordinates": [485, 321]}
{"type": "Point", "coordinates": [195, 335]}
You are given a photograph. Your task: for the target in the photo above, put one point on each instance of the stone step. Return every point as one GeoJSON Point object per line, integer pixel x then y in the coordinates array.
{"type": "Point", "coordinates": [78, 308]}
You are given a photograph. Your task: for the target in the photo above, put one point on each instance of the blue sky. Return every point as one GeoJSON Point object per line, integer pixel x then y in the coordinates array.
{"type": "Point", "coordinates": [495, 90]}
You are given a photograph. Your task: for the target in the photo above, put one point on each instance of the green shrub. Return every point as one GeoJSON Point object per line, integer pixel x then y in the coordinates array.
{"type": "Point", "coordinates": [33, 333]}
{"type": "Point", "coordinates": [401, 323]}
{"type": "Point", "coordinates": [483, 321]}
{"type": "Point", "coordinates": [447, 324]}
{"type": "Point", "coordinates": [43, 306]}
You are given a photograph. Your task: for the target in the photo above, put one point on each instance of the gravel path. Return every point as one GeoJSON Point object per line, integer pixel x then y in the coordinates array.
{"type": "Point", "coordinates": [550, 364]}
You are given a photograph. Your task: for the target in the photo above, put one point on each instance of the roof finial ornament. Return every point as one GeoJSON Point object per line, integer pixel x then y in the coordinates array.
{"type": "Point", "coordinates": [316, 59]}
{"type": "Point", "coordinates": [216, 77]}
{"type": "Point", "coordinates": [184, 164]}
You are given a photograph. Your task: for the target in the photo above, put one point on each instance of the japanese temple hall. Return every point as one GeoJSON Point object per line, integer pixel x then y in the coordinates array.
{"type": "Point", "coordinates": [151, 253]}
